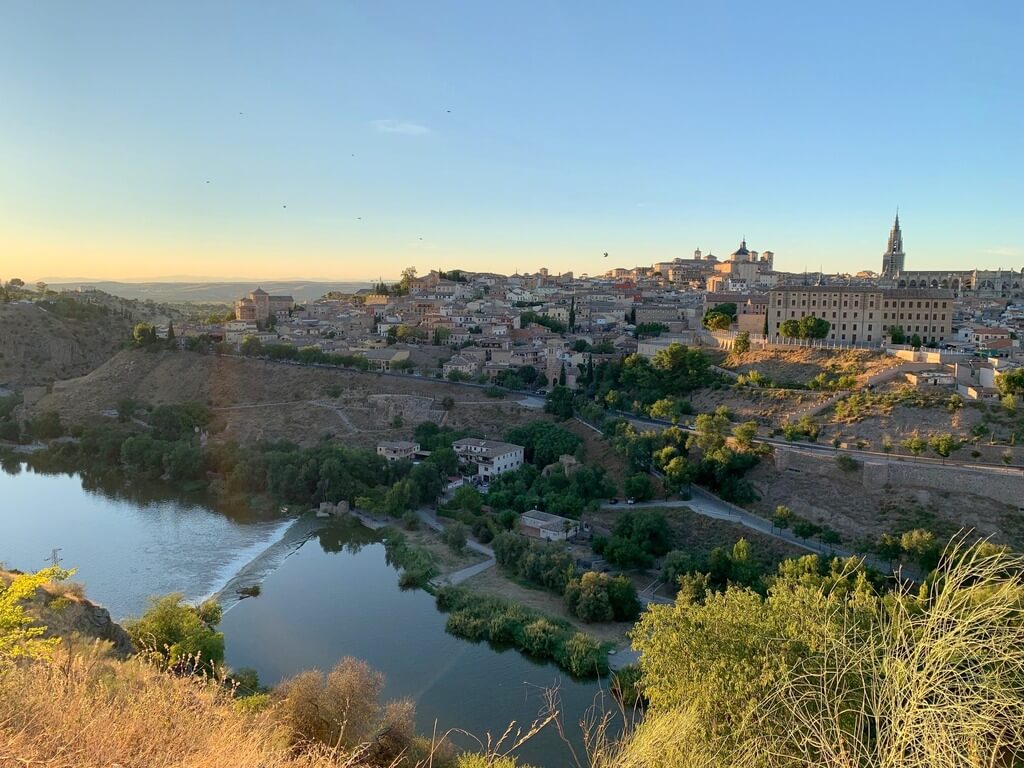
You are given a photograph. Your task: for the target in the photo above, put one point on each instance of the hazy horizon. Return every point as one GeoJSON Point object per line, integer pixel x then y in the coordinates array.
{"type": "Point", "coordinates": [349, 141]}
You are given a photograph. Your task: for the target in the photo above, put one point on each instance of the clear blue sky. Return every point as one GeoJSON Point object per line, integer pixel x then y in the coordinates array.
{"type": "Point", "coordinates": [641, 129]}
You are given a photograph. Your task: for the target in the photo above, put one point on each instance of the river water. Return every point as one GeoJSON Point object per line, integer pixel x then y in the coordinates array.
{"type": "Point", "coordinates": [327, 592]}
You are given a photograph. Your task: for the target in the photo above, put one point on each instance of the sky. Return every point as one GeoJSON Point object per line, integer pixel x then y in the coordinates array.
{"type": "Point", "coordinates": [348, 140]}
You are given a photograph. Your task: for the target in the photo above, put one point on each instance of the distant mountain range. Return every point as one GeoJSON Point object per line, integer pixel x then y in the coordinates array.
{"type": "Point", "coordinates": [213, 292]}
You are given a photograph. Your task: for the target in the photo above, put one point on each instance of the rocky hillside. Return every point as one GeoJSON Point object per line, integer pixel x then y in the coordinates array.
{"type": "Point", "coordinates": [39, 346]}
{"type": "Point", "coordinates": [256, 399]}
{"type": "Point", "coordinates": [65, 612]}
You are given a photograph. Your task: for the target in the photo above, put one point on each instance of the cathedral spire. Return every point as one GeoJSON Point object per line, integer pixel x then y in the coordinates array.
{"type": "Point", "coordinates": [892, 259]}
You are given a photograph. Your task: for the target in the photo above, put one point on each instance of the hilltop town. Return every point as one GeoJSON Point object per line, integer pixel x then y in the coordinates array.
{"type": "Point", "coordinates": [540, 329]}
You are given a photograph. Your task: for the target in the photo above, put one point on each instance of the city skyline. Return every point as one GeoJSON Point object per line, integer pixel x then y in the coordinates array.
{"type": "Point", "coordinates": [346, 142]}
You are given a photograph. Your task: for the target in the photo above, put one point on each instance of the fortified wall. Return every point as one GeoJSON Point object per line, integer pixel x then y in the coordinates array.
{"type": "Point", "coordinates": [1003, 485]}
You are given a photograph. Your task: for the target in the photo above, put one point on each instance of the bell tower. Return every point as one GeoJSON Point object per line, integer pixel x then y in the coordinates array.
{"type": "Point", "coordinates": [892, 259]}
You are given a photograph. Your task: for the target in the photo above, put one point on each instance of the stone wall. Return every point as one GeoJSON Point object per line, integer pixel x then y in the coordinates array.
{"type": "Point", "coordinates": [1003, 485]}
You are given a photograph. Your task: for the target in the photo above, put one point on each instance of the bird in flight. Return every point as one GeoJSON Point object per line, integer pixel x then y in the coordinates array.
{"type": "Point", "coordinates": [284, 206]}
{"type": "Point", "coordinates": [606, 254]}
{"type": "Point", "coordinates": [207, 181]}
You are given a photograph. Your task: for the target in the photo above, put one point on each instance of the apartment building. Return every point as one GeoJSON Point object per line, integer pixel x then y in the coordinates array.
{"type": "Point", "coordinates": [860, 315]}
{"type": "Point", "coordinates": [490, 457]}
{"type": "Point", "coordinates": [396, 450]}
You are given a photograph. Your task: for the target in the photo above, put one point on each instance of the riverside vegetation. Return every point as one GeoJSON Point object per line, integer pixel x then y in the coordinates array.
{"type": "Point", "coordinates": [825, 668]}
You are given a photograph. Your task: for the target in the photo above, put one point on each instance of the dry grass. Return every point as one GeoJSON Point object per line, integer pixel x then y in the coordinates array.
{"type": "Point", "coordinates": [84, 710]}
{"type": "Point", "coordinates": [92, 712]}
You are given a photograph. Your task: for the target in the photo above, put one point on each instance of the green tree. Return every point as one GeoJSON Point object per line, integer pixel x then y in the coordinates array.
{"type": "Point", "coordinates": [638, 486]}
{"type": "Point", "coordinates": [144, 334]}
{"type": "Point", "coordinates": [915, 444]}
{"type": "Point", "coordinates": [783, 516]}
{"type": "Point", "coordinates": [587, 597]}
{"type": "Point", "coordinates": [744, 434]}
{"type": "Point", "coordinates": [709, 432]}
{"type": "Point", "coordinates": [1011, 382]}
{"type": "Point", "coordinates": [717, 321]}
{"type": "Point", "coordinates": [922, 547]}
{"type": "Point", "coordinates": [789, 329]}
{"type": "Point", "coordinates": [944, 444]}
{"type": "Point", "coordinates": [560, 402]}
{"type": "Point", "coordinates": [813, 327]}
{"type": "Point", "coordinates": [455, 537]}
{"type": "Point", "coordinates": [20, 636]}
{"type": "Point", "coordinates": [543, 442]}
{"type": "Point", "coordinates": [897, 334]}
{"type": "Point", "coordinates": [184, 635]}
{"type": "Point", "coordinates": [742, 342]}
{"type": "Point", "coordinates": [251, 346]}
{"type": "Point", "coordinates": [679, 474]}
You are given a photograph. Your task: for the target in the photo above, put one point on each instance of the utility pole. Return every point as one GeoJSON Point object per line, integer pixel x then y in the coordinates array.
{"type": "Point", "coordinates": [55, 557]}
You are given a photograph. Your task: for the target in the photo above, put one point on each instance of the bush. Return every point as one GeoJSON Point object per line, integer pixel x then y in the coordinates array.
{"type": "Point", "coordinates": [476, 618]}
{"type": "Point", "coordinates": [637, 538]}
{"type": "Point", "coordinates": [581, 655]}
{"type": "Point", "coordinates": [847, 463]}
{"type": "Point", "coordinates": [454, 535]}
{"type": "Point", "coordinates": [599, 597]}
{"type": "Point", "coordinates": [183, 635]}
{"type": "Point", "coordinates": [343, 710]}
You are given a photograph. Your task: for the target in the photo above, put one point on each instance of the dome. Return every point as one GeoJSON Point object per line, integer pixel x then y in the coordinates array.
{"type": "Point", "coordinates": [742, 250]}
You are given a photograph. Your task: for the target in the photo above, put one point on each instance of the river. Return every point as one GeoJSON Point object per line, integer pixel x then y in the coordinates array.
{"type": "Point", "coordinates": [327, 592]}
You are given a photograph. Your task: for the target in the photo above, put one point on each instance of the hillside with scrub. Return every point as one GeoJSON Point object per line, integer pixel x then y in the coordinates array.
{"type": "Point", "coordinates": [831, 666]}
{"type": "Point", "coordinates": [255, 399]}
{"type": "Point", "coordinates": [57, 339]}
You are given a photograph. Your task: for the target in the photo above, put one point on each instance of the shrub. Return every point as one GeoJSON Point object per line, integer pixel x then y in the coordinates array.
{"type": "Point", "coordinates": [454, 536]}
{"type": "Point", "coordinates": [847, 463]}
{"type": "Point", "coordinates": [183, 635]}
{"type": "Point", "coordinates": [583, 656]}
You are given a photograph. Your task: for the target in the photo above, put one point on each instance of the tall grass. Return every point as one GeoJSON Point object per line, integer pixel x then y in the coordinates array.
{"type": "Point", "coordinates": [935, 679]}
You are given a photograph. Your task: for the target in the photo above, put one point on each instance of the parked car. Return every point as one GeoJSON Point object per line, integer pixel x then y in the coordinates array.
{"type": "Point", "coordinates": [631, 500]}
{"type": "Point", "coordinates": [613, 501]}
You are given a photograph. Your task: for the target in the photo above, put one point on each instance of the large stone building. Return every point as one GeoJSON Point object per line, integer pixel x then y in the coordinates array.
{"type": "Point", "coordinates": [744, 267]}
{"type": "Point", "coordinates": [861, 315]}
{"type": "Point", "coordinates": [260, 305]}
{"type": "Point", "coordinates": [970, 283]}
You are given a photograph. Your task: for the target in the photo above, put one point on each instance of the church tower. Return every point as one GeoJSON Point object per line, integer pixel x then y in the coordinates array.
{"type": "Point", "coordinates": [892, 259]}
